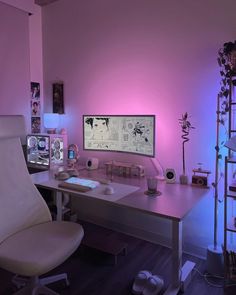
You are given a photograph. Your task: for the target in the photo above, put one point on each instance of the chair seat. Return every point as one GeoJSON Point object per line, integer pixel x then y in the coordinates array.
{"type": "Point", "coordinates": [40, 248]}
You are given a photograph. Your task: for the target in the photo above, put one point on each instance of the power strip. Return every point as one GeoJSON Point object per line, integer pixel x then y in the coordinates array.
{"type": "Point", "coordinates": [186, 275]}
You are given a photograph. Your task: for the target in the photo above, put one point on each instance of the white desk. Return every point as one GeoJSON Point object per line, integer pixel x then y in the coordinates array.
{"type": "Point", "coordinates": [174, 204]}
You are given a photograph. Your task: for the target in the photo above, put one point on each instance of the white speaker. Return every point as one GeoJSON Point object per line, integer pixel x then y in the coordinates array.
{"type": "Point", "coordinates": [170, 175]}
{"type": "Point", "coordinates": [92, 163]}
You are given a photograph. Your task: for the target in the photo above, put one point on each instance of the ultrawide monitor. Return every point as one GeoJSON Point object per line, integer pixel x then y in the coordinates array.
{"type": "Point", "coordinates": [120, 133]}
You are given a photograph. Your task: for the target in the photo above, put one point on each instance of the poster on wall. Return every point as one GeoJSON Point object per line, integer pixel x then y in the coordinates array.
{"type": "Point", "coordinates": [35, 90]}
{"type": "Point", "coordinates": [35, 107]}
{"type": "Point", "coordinates": [58, 98]}
{"type": "Point", "coordinates": [35, 124]}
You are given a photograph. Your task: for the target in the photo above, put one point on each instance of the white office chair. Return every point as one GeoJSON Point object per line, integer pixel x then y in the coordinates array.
{"type": "Point", "coordinates": [31, 244]}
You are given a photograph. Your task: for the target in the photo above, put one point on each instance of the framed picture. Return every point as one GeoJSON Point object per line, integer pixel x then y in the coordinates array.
{"type": "Point", "coordinates": [35, 108]}
{"type": "Point", "coordinates": [35, 124]}
{"type": "Point", "coordinates": [58, 98]}
{"type": "Point", "coordinates": [35, 90]}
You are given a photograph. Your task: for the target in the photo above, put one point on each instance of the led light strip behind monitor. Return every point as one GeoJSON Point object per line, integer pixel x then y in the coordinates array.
{"type": "Point", "coordinates": [120, 133]}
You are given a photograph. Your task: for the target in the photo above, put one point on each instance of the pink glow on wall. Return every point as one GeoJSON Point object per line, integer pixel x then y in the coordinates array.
{"type": "Point", "coordinates": [129, 58]}
{"type": "Point", "coordinates": [14, 62]}
{"type": "Point", "coordinates": [145, 57]}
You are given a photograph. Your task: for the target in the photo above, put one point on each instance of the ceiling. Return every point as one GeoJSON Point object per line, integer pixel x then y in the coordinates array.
{"type": "Point", "coordinates": [44, 2]}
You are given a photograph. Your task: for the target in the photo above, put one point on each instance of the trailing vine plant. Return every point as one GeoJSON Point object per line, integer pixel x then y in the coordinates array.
{"type": "Point", "coordinates": [227, 62]}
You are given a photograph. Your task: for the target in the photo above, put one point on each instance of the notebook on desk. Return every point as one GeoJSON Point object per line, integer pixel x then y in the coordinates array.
{"type": "Point", "coordinates": [79, 184]}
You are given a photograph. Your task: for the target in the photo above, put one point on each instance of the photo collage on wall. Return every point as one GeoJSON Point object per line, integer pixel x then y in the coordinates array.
{"type": "Point", "coordinates": [35, 107]}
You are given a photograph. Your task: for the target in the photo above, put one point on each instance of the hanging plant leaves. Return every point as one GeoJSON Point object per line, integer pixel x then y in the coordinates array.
{"type": "Point", "coordinates": [226, 93]}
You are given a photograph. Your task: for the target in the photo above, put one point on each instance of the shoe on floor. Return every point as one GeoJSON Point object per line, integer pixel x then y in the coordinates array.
{"type": "Point", "coordinates": [153, 286]}
{"type": "Point", "coordinates": [140, 281]}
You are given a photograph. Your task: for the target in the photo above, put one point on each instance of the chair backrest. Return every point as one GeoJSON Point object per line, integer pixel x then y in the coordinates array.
{"type": "Point", "coordinates": [21, 205]}
{"type": "Point", "coordinates": [13, 126]}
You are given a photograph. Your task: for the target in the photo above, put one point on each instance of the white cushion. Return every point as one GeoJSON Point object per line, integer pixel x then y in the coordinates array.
{"type": "Point", "coordinates": [40, 248]}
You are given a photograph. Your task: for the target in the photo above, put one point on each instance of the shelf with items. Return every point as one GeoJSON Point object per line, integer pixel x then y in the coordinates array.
{"type": "Point", "coordinates": [230, 262]}
{"type": "Point", "coordinates": [229, 224]}
{"type": "Point", "coordinates": [226, 107]}
{"type": "Point", "coordinates": [231, 194]}
{"type": "Point", "coordinates": [231, 160]}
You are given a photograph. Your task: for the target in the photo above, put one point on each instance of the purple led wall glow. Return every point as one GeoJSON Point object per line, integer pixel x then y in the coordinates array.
{"type": "Point", "coordinates": [133, 59]}
{"type": "Point", "coordinates": [137, 57]}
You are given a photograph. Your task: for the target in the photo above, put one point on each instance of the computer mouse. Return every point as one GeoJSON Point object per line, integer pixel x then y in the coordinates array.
{"type": "Point", "coordinates": [109, 190]}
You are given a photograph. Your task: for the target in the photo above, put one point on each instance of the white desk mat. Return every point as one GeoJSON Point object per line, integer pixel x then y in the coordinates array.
{"type": "Point", "coordinates": [120, 191]}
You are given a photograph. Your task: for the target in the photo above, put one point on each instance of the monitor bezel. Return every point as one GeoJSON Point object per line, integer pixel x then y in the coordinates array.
{"type": "Point", "coordinates": [118, 151]}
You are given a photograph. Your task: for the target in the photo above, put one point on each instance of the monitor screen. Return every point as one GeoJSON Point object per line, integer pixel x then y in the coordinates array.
{"type": "Point", "coordinates": [38, 150]}
{"type": "Point", "coordinates": [120, 133]}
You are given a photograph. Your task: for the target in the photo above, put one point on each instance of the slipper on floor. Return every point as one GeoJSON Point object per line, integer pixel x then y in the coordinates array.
{"type": "Point", "coordinates": [140, 281]}
{"type": "Point", "coordinates": [153, 286]}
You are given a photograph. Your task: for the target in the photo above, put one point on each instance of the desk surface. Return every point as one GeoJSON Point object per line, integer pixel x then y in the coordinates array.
{"type": "Point", "coordinates": [174, 203]}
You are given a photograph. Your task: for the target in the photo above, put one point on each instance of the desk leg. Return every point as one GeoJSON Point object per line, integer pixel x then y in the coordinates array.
{"type": "Point", "coordinates": [180, 275]}
{"type": "Point", "coordinates": [59, 205]}
{"type": "Point", "coordinates": [174, 287]}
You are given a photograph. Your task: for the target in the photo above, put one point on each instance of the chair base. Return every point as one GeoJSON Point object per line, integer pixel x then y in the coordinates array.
{"type": "Point", "coordinates": [35, 290]}
{"type": "Point", "coordinates": [35, 285]}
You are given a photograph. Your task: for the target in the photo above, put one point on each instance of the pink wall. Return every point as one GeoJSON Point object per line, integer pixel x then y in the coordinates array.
{"type": "Point", "coordinates": [134, 57]}
{"type": "Point", "coordinates": [35, 36]}
{"type": "Point", "coordinates": [143, 57]}
{"type": "Point", "coordinates": [25, 54]}
{"type": "Point", "coordinates": [140, 57]}
{"type": "Point", "coordinates": [14, 62]}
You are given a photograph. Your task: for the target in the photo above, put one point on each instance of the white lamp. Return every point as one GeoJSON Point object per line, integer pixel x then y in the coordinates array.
{"type": "Point", "coordinates": [51, 122]}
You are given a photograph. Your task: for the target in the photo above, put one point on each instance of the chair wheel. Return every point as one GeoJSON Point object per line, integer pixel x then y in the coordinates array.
{"type": "Point", "coordinates": [67, 283]}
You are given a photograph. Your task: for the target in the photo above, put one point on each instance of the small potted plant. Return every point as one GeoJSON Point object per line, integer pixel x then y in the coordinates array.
{"type": "Point", "coordinates": [185, 127]}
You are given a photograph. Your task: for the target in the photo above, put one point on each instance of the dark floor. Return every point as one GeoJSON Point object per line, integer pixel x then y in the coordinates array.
{"type": "Point", "coordinates": [93, 273]}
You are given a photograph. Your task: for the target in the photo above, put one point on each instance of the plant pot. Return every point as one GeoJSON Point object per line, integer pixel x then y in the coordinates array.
{"type": "Point", "coordinates": [183, 179]}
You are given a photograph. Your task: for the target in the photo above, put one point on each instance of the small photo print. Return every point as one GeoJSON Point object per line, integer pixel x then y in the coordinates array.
{"type": "Point", "coordinates": [35, 125]}
{"type": "Point", "coordinates": [35, 108]}
{"type": "Point", "coordinates": [35, 90]}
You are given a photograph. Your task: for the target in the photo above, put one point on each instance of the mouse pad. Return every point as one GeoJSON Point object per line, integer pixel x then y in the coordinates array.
{"type": "Point", "coordinates": [120, 191]}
